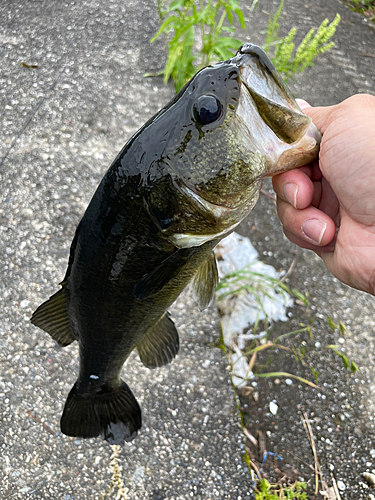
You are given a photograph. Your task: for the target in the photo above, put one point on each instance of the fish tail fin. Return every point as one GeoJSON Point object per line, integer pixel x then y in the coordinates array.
{"type": "Point", "coordinates": [112, 413]}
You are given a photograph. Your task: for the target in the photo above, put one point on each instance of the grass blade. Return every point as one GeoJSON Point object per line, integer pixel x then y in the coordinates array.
{"type": "Point", "coordinates": [285, 374]}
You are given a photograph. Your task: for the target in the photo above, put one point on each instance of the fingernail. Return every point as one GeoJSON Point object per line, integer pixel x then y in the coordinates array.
{"type": "Point", "coordinates": [290, 191]}
{"type": "Point", "coordinates": [303, 104]}
{"type": "Point", "coordinates": [314, 229]}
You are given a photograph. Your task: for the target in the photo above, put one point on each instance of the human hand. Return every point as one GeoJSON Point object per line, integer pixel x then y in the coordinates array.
{"type": "Point", "coordinates": [328, 206]}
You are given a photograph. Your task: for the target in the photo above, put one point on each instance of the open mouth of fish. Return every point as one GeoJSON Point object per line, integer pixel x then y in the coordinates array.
{"type": "Point", "coordinates": [293, 140]}
{"type": "Point", "coordinates": [277, 129]}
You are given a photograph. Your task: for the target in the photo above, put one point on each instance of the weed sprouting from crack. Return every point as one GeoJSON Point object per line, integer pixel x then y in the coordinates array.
{"type": "Point", "coordinates": [236, 284]}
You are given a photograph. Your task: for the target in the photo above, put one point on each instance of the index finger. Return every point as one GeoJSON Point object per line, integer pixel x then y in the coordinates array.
{"type": "Point", "coordinates": [295, 187]}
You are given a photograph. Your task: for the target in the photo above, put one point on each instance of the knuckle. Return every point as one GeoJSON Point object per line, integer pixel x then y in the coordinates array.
{"type": "Point", "coordinates": [286, 214]}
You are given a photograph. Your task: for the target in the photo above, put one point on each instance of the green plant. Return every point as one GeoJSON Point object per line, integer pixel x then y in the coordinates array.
{"type": "Point", "coordinates": [255, 283]}
{"type": "Point", "coordinates": [365, 7]}
{"type": "Point", "coordinates": [198, 32]}
{"type": "Point", "coordinates": [190, 19]}
{"type": "Point", "coordinates": [282, 50]}
{"type": "Point", "coordinates": [268, 491]}
{"type": "Point", "coordinates": [258, 286]}
{"type": "Point", "coordinates": [349, 365]}
{"type": "Point", "coordinates": [365, 3]}
{"type": "Point", "coordinates": [230, 288]}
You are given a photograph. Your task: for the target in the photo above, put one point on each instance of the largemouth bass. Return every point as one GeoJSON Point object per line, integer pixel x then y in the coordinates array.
{"type": "Point", "coordinates": [183, 182]}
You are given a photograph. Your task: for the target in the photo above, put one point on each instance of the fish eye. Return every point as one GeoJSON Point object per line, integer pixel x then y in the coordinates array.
{"type": "Point", "coordinates": [207, 109]}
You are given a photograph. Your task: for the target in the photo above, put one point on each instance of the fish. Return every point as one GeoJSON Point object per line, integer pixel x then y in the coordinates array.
{"type": "Point", "coordinates": [183, 182]}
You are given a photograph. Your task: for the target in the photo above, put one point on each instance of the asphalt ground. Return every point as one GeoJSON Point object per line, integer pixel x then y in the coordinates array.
{"type": "Point", "coordinates": [62, 123]}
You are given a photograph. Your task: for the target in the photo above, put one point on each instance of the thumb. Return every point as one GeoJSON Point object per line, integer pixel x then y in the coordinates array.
{"type": "Point", "coordinates": [319, 115]}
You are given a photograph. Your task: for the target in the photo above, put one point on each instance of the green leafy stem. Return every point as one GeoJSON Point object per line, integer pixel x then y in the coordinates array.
{"type": "Point", "coordinates": [199, 32]}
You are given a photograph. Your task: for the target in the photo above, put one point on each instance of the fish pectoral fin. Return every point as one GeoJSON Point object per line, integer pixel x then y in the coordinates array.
{"type": "Point", "coordinates": [150, 284]}
{"type": "Point", "coordinates": [52, 317]}
{"type": "Point", "coordinates": [112, 413]}
{"type": "Point", "coordinates": [205, 282]}
{"type": "Point", "coordinates": [160, 344]}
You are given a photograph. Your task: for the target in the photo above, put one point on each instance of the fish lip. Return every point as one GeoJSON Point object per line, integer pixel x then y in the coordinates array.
{"type": "Point", "coordinates": [251, 48]}
{"type": "Point", "coordinates": [305, 151]}
{"type": "Point", "coordinates": [221, 214]}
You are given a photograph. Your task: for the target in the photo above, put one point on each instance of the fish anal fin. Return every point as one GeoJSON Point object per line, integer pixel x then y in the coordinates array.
{"type": "Point", "coordinates": [112, 413]}
{"type": "Point", "coordinates": [160, 344]}
{"type": "Point", "coordinates": [205, 282]}
{"type": "Point", "coordinates": [52, 317]}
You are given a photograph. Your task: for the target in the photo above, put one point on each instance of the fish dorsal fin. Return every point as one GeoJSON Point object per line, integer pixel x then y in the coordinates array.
{"type": "Point", "coordinates": [52, 317]}
{"type": "Point", "coordinates": [205, 282]}
{"type": "Point", "coordinates": [160, 343]}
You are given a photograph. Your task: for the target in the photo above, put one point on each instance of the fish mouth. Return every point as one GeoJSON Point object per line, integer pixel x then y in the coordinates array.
{"type": "Point", "coordinates": [297, 138]}
{"type": "Point", "coordinates": [286, 123]}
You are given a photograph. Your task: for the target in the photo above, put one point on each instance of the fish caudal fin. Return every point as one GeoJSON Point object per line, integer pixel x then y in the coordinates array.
{"type": "Point", "coordinates": [112, 413]}
{"type": "Point", "coordinates": [160, 344]}
{"type": "Point", "coordinates": [52, 317]}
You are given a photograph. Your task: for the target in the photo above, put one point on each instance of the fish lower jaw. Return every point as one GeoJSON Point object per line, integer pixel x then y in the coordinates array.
{"type": "Point", "coordinates": [187, 240]}
{"type": "Point", "coordinates": [298, 154]}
